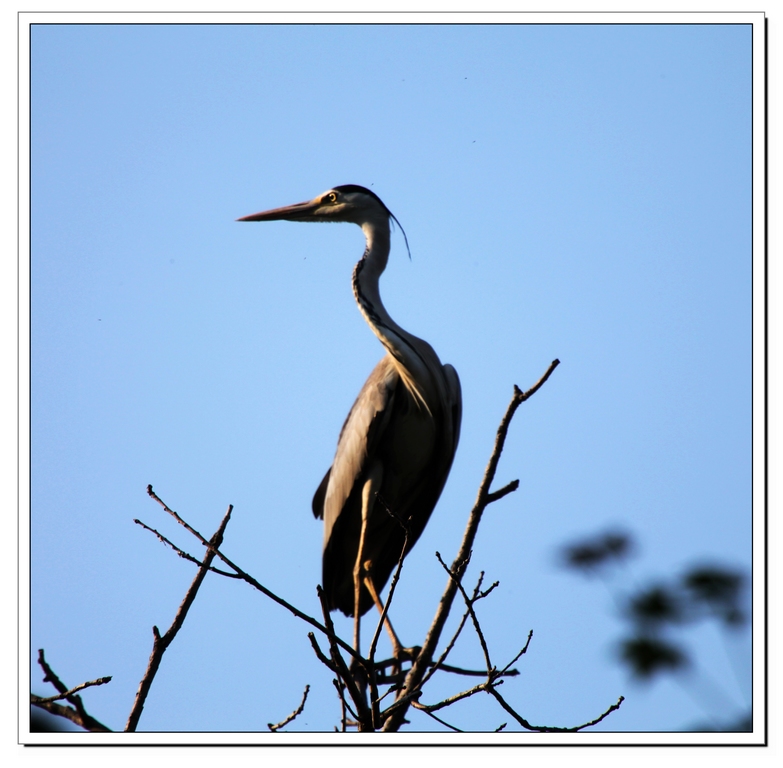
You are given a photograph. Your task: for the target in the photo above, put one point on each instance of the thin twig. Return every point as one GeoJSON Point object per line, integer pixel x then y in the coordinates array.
{"type": "Point", "coordinates": [453, 699]}
{"type": "Point", "coordinates": [545, 728]}
{"type": "Point", "coordinates": [505, 671]}
{"type": "Point", "coordinates": [392, 586]}
{"type": "Point", "coordinates": [476, 625]}
{"type": "Point", "coordinates": [504, 491]}
{"type": "Point", "coordinates": [320, 654]}
{"type": "Point", "coordinates": [608, 712]}
{"type": "Point", "coordinates": [293, 715]}
{"type": "Point", "coordinates": [184, 555]}
{"type": "Point", "coordinates": [439, 663]}
{"type": "Point", "coordinates": [161, 642]}
{"type": "Point", "coordinates": [476, 672]}
{"type": "Point", "coordinates": [345, 706]}
{"type": "Point", "coordinates": [389, 692]}
{"type": "Point", "coordinates": [416, 705]}
{"type": "Point", "coordinates": [66, 694]}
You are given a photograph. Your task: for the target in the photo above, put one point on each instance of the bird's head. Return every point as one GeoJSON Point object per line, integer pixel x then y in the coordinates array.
{"type": "Point", "coordinates": [349, 202]}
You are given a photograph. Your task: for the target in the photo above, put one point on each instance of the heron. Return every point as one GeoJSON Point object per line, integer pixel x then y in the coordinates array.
{"type": "Point", "coordinates": [397, 445]}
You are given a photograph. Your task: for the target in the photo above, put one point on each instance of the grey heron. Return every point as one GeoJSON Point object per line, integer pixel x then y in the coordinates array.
{"type": "Point", "coordinates": [397, 444]}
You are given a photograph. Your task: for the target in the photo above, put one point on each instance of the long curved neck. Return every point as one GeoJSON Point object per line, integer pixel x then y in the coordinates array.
{"type": "Point", "coordinates": [405, 348]}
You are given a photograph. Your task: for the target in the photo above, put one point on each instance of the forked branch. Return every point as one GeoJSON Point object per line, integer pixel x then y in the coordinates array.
{"type": "Point", "coordinates": [161, 642]}
{"type": "Point", "coordinates": [76, 713]}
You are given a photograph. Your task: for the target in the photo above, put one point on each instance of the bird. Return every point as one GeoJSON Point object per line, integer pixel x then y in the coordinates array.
{"type": "Point", "coordinates": [396, 447]}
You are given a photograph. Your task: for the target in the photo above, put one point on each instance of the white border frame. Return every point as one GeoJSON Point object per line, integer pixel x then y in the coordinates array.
{"type": "Point", "coordinates": [759, 600]}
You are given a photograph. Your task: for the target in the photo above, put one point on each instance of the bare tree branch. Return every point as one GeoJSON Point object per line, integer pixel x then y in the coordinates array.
{"type": "Point", "coordinates": [66, 694]}
{"type": "Point", "coordinates": [550, 729]}
{"type": "Point", "coordinates": [293, 715]}
{"type": "Point", "coordinates": [475, 672]}
{"type": "Point", "coordinates": [76, 714]}
{"type": "Point", "coordinates": [504, 491]}
{"type": "Point", "coordinates": [344, 708]}
{"type": "Point", "coordinates": [439, 663]}
{"type": "Point", "coordinates": [249, 579]}
{"type": "Point", "coordinates": [451, 699]}
{"type": "Point", "coordinates": [392, 586]}
{"type": "Point", "coordinates": [469, 605]}
{"type": "Point", "coordinates": [506, 671]}
{"type": "Point", "coordinates": [162, 642]}
{"type": "Point", "coordinates": [435, 717]}
{"type": "Point", "coordinates": [184, 555]}
{"type": "Point", "coordinates": [320, 654]}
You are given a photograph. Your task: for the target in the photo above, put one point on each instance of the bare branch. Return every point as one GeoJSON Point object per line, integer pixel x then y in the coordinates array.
{"type": "Point", "coordinates": [392, 586]}
{"type": "Point", "coordinates": [504, 491]}
{"type": "Point", "coordinates": [505, 671]}
{"type": "Point", "coordinates": [162, 642]}
{"type": "Point", "coordinates": [77, 714]}
{"type": "Point", "coordinates": [608, 712]}
{"type": "Point", "coordinates": [391, 690]}
{"type": "Point", "coordinates": [250, 580]}
{"type": "Point", "coordinates": [469, 605]}
{"type": "Point", "coordinates": [293, 715]}
{"type": "Point", "coordinates": [550, 729]}
{"type": "Point", "coordinates": [184, 555]}
{"type": "Point", "coordinates": [439, 665]}
{"type": "Point", "coordinates": [345, 707]}
{"type": "Point", "coordinates": [320, 654]}
{"type": "Point", "coordinates": [452, 699]}
{"type": "Point", "coordinates": [100, 681]}
{"type": "Point", "coordinates": [415, 705]}
{"type": "Point", "coordinates": [476, 672]}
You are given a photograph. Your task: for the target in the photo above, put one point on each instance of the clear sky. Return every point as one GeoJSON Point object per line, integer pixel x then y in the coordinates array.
{"type": "Point", "coordinates": [572, 192]}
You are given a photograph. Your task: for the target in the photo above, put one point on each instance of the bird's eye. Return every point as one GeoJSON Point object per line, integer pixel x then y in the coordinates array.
{"type": "Point", "coordinates": [332, 197]}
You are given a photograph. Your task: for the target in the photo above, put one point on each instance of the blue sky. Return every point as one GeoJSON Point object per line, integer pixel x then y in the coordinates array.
{"type": "Point", "coordinates": [572, 192]}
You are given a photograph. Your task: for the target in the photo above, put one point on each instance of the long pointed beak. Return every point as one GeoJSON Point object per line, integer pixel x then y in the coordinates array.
{"type": "Point", "coordinates": [295, 212]}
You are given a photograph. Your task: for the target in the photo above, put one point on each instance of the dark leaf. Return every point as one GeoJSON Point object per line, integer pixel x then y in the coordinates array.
{"type": "Point", "coordinates": [647, 656]}
{"type": "Point", "coordinates": [656, 605]}
{"type": "Point", "coordinates": [717, 586]}
{"type": "Point", "coordinates": [590, 554]}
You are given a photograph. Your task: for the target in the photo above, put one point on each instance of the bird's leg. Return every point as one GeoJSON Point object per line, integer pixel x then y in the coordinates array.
{"type": "Point", "coordinates": [371, 486]}
{"type": "Point", "coordinates": [357, 587]}
{"type": "Point", "coordinates": [398, 650]}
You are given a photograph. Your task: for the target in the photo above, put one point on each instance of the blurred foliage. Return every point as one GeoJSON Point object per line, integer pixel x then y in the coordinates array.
{"type": "Point", "coordinates": [646, 655]}
{"type": "Point", "coordinates": [703, 592]}
{"type": "Point", "coordinates": [592, 554]}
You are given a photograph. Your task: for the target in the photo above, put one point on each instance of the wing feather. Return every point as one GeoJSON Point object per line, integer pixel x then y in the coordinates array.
{"type": "Point", "coordinates": [360, 433]}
